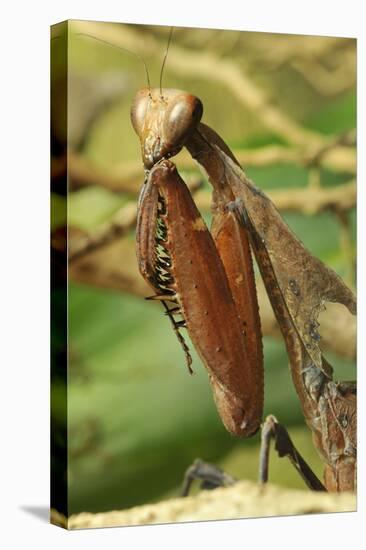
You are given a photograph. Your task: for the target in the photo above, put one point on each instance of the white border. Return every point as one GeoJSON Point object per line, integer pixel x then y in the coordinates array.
{"type": "Point", "coordinates": [24, 363]}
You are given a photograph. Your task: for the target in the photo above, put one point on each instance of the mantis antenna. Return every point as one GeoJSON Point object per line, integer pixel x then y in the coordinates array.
{"type": "Point", "coordinates": [165, 56]}
{"type": "Point", "coordinates": [123, 49]}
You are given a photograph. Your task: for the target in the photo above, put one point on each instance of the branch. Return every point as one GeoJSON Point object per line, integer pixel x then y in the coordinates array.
{"type": "Point", "coordinates": [335, 157]}
{"type": "Point", "coordinates": [329, 81]}
{"type": "Point", "coordinates": [207, 65]}
{"type": "Point", "coordinates": [307, 200]}
{"type": "Point", "coordinates": [276, 52]}
{"type": "Point", "coordinates": [119, 224]}
{"type": "Point", "coordinates": [114, 266]}
{"type": "Point", "coordinates": [128, 177]}
{"type": "Point", "coordinates": [242, 500]}
{"type": "Point", "coordinates": [83, 173]}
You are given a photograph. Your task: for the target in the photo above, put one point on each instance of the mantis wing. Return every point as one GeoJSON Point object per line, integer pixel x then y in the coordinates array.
{"type": "Point", "coordinates": [303, 281]}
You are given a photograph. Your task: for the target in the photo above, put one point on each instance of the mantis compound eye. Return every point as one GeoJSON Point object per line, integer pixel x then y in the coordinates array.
{"type": "Point", "coordinates": [182, 117]}
{"type": "Point", "coordinates": [139, 109]}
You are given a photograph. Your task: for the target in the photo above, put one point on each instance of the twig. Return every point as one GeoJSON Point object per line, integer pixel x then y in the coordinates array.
{"type": "Point", "coordinates": [334, 156]}
{"type": "Point", "coordinates": [120, 223]}
{"type": "Point", "coordinates": [335, 147]}
{"type": "Point", "coordinates": [128, 177]}
{"type": "Point", "coordinates": [208, 66]}
{"type": "Point", "coordinates": [314, 178]}
{"type": "Point", "coordinates": [329, 82]}
{"type": "Point", "coordinates": [112, 267]}
{"type": "Point", "coordinates": [275, 52]}
{"type": "Point", "coordinates": [345, 241]}
{"type": "Point", "coordinates": [308, 200]}
{"type": "Point", "coordinates": [83, 173]}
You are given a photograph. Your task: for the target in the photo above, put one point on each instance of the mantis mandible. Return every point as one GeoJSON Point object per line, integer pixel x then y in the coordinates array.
{"type": "Point", "coordinates": [206, 279]}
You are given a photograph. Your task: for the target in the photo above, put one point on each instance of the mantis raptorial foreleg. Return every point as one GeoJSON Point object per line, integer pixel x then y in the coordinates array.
{"type": "Point", "coordinates": [211, 282]}
{"type": "Point", "coordinates": [178, 257]}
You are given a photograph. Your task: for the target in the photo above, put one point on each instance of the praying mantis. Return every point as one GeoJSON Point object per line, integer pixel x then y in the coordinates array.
{"type": "Point", "coordinates": [205, 282]}
{"type": "Point", "coordinates": [206, 279]}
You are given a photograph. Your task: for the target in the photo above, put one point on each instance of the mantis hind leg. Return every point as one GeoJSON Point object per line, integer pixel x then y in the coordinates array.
{"type": "Point", "coordinates": [211, 476]}
{"type": "Point", "coordinates": [208, 474]}
{"type": "Point", "coordinates": [284, 446]}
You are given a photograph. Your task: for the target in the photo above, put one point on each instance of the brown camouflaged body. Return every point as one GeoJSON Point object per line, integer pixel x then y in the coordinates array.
{"type": "Point", "coordinates": [297, 284]}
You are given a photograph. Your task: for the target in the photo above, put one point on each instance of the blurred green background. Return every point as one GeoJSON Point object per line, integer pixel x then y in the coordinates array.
{"type": "Point", "coordinates": [136, 419]}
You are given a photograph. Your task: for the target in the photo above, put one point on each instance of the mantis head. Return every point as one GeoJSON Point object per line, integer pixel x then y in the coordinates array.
{"type": "Point", "coordinates": [163, 120]}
